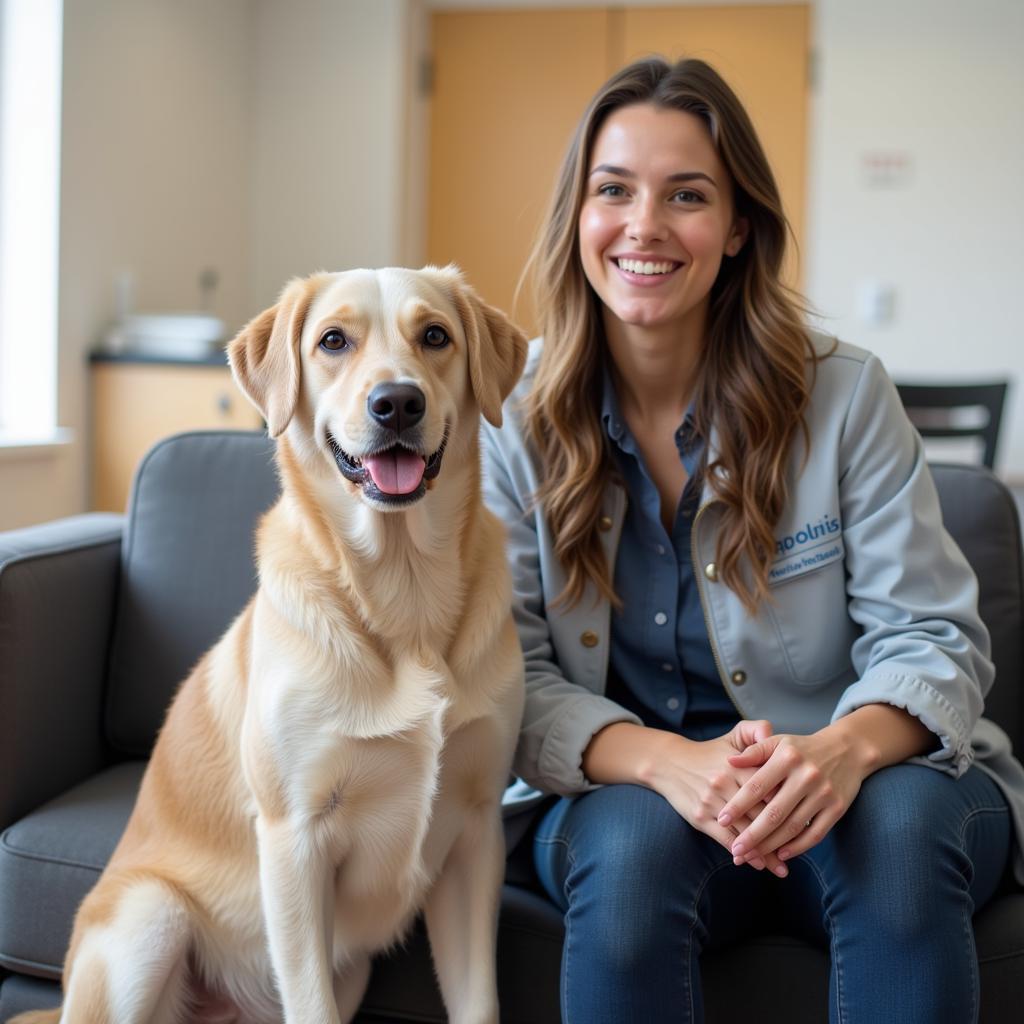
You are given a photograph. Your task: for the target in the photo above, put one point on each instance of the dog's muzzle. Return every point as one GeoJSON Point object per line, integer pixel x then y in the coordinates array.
{"type": "Point", "coordinates": [394, 470]}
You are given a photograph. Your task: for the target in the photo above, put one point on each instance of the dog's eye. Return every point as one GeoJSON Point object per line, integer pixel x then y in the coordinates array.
{"type": "Point", "coordinates": [435, 337]}
{"type": "Point", "coordinates": [334, 341]}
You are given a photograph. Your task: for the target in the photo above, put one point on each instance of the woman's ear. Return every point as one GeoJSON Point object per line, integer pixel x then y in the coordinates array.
{"type": "Point", "coordinates": [264, 355]}
{"type": "Point", "coordinates": [738, 237]}
{"type": "Point", "coordinates": [497, 349]}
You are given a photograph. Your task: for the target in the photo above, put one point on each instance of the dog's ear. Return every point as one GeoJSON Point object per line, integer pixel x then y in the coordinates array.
{"type": "Point", "coordinates": [497, 349]}
{"type": "Point", "coordinates": [264, 356]}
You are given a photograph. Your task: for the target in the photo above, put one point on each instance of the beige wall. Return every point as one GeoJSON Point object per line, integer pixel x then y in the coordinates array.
{"type": "Point", "coordinates": [328, 87]}
{"type": "Point", "coordinates": [258, 137]}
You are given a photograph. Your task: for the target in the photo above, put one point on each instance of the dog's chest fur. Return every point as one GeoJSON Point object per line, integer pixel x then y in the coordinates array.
{"type": "Point", "coordinates": [361, 734]}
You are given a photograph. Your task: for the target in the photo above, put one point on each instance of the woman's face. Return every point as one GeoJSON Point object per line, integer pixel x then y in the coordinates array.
{"type": "Point", "coordinates": [657, 217]}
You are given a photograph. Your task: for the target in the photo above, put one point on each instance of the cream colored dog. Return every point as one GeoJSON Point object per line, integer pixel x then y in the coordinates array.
{"type": "Point", "coordinates": [336, 762]}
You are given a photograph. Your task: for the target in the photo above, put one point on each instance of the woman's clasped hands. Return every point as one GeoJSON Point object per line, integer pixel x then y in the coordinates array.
{"type": "Point", "coordinates": [698, 780]}
{"type": "Point", "coordinates": [766, 798]}
{"type": "Point", "coordinates": [800, 787]}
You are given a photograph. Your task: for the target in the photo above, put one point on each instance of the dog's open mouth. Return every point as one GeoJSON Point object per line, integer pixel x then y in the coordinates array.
{"type": "Point", "coordinates": [396, 475]}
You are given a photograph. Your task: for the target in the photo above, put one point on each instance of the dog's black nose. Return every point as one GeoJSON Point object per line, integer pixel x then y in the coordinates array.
{"type": "Point", "coordinates": [397, 406]}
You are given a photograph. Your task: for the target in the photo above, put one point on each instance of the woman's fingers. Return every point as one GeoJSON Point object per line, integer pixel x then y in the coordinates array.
{"type": "Point", "coordinates": [807, 827]}
{"type": "Point", "coordinates": [776, 816]}
{"type": "Point", "coordinates": [771, 860]}
{"type": "Point", "coordinates": [755, 790]}
{"type": "Point", "coordinates": [749, 732]}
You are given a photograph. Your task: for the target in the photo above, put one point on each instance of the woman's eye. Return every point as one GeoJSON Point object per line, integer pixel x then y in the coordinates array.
{"type": "Point", "coordinates": [687, 195]}
{"type": "Point", "coordinates": [613, 191]}
{"type": "Point", "coordinates": [334, 341]}
{"type": "Point", "coordinates": [435, 337]}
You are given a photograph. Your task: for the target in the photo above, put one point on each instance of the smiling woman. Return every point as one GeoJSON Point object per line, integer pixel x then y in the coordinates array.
{"type": "Point", "coordinates": [748, 642]}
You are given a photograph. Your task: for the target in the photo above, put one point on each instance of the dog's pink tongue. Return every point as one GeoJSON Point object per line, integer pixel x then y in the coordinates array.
{"type": "Point", "coordinates": [397, 471]}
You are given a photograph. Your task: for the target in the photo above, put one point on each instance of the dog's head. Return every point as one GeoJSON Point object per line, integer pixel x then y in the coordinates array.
{"type": "Point", "coordinates": [379, 373]}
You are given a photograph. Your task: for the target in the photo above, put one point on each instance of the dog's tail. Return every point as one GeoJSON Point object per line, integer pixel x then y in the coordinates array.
{"type": "Point", "coordinates": [37, 1017]}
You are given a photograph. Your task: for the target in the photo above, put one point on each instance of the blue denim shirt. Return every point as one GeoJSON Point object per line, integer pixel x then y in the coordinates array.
{"type": "Point", "coordinates": [661, 664]}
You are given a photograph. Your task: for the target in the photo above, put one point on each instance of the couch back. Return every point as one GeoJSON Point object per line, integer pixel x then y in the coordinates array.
{"type": "Point", "coordinates": [982, 517]}
{"type": "Point", "coordinates": [188, 569]}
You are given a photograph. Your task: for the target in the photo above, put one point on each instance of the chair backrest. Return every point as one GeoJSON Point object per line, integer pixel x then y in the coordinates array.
{"type": "Point", "coordinates": [947, 410]}
{"type": "Point", "coordinates": [187, 568]}
{"type": "Point", "coordinates": [982, 517]}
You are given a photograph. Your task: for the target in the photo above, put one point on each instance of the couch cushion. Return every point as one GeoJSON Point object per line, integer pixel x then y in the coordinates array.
{"type": "Point", "coordinates": [19, 993]}
{"type": "Point", "coordinates": [187, 568]}
{"type": "Point", "coordinates": [982, 517]}
{"type": "Point", "coordinates": [49, 861]}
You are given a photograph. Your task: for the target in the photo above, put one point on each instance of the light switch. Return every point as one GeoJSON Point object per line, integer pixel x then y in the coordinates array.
{"type": "Point", "coordinates": [876, 303]}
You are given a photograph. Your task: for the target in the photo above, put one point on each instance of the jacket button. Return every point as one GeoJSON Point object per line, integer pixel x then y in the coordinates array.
{"type": "Point", "coordinates": [711, 571]}
{"type": "Point", "coordinates": [739, 677]}
{"type": "Point", "coordinates": [589, 638]}
{"type": "Point", "coordinates": [604, 523]}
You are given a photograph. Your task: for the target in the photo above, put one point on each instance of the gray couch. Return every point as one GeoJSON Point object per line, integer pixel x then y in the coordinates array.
{"type": "Point", "coordinates": [102, 615]}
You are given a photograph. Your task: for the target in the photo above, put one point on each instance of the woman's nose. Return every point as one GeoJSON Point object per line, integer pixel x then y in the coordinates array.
{"type": "Point", "coordinates": [646, 223]}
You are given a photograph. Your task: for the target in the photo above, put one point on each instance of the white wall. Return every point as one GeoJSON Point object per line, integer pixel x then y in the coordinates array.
{"type": "Point", "coordinates": [942, 83]}
{"type": "Point", "coordinates": [155, 181]}
{"type": "Point", "coordinates": [329, 93]}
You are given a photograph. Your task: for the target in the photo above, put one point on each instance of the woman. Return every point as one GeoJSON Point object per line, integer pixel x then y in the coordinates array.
{"type": "Point", "coordinates": [754, 659]}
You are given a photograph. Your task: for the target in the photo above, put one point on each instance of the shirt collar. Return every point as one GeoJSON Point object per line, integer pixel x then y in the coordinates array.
{"type": "Point", "coordinates": [615, 426]}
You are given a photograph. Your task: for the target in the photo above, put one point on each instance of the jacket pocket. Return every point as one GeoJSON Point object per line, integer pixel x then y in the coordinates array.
{"type": "Point", "coordinates": [810, 614]}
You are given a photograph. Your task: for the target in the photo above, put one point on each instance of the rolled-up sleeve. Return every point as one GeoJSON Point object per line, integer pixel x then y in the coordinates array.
{"type": "Point", "coordinates": [923, 645]}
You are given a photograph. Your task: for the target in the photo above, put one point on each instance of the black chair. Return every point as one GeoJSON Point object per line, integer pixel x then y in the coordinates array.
{"type": "Point", "coordinates": [951, 411]}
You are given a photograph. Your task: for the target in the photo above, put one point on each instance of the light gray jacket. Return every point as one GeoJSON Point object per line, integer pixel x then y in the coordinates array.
{"type": "Point", "coordinates": [871, 600]}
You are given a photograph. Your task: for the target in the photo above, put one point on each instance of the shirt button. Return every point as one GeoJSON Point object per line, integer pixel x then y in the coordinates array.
{"type": "Point", "coordinates": [739, 677]}
{"type": "Point", "coordinates": [711, 571]}
{"type": "Point", "coordinates": [589, 638]}
{"type": "Point", "coordinates": [672, 703]}
{"type": "Point", "coordinates": [604, 523]}
{"type": "Point", "coordinates": [660, 548]}
{"type": "Point", "coordinates": [660, 619]}
{"type": "Point", "coordinates": [666, 667]}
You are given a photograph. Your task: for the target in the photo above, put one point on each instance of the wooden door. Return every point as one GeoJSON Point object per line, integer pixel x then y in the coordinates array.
{"type": "Point", "coordinates": [509, 87]}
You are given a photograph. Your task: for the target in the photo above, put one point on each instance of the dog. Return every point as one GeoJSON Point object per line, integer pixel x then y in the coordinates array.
{"type": "Point", "coordinates": [335, 763]}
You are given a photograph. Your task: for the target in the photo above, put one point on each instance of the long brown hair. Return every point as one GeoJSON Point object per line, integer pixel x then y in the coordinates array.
{"type": "Point", "coordinates": [752, 384]}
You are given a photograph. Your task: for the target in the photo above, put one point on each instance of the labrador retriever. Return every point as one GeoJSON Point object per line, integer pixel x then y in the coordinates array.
{"type": "Point", "coordinates": [335, 764]}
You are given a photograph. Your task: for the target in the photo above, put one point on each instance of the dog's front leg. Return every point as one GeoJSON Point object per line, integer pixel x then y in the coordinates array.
{"type": "Point", "coordinates": [295, 886]}
{"type": "Point", "coordinates": [461, 914]}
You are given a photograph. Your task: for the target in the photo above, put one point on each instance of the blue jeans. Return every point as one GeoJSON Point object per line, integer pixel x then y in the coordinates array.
{"type": "Point", "coordinates": [889, 892]}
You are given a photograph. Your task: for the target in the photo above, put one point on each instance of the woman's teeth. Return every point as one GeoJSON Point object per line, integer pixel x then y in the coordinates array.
{"type": "Point", "coordinates": [640, 267]}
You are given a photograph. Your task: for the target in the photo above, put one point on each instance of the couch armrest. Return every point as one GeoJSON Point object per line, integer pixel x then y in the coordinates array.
{"type": "Point", "coordinates": [57, 587]}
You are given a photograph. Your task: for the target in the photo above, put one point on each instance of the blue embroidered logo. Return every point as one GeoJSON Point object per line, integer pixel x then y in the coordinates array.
{"type": "Point", "coordinates": [811, 547]}
{"type": "Point", "coordinates": [825, 526]}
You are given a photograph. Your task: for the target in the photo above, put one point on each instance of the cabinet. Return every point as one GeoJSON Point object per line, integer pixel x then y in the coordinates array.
{"type": "Point", "coordinates": [136, 401]}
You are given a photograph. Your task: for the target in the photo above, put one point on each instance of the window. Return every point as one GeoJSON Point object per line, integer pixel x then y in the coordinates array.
{"type": "Point", "coordinates": [30, 99]}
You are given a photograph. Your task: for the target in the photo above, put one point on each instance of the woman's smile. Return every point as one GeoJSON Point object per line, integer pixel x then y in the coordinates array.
{"type": "Point", "coordinates": [646, 271]}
